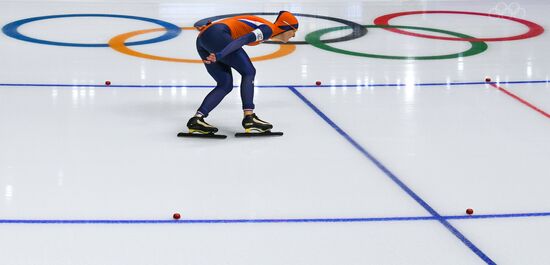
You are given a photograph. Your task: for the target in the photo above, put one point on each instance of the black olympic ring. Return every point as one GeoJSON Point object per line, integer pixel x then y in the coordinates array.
{"type": "Point", "coordinates": [358, 30]}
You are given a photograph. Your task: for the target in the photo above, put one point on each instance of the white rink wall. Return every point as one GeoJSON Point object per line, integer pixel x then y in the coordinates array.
{"type": "Point", "coordinates": [240, 1]}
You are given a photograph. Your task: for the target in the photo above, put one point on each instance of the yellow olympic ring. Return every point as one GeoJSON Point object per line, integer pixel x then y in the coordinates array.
{"type": "Point", "coordinates": [118, 43]}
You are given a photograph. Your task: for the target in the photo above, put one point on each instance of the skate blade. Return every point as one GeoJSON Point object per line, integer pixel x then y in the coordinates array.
{"type": "Point", "coordinates": [201, 132]}
{"type": "Point", "coordinates": [254, 134]}
{"type": "Point", "coordinates": [256, 130]}
{"type": "Point", "coordinates": [202, 135]}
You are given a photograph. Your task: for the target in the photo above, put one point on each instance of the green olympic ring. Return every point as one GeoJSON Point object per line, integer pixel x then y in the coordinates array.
{"type": "Point", "coordinates": [314, 38]}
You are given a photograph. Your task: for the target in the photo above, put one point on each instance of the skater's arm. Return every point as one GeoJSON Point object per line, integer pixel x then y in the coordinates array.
{"type": "Point", "coordinates": [263, 32]}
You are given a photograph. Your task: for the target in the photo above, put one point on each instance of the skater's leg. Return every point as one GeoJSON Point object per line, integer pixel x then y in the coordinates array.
{"type": "Point", "coordinates": [240, 61]}
{"type": "Point", "coordinates": [224, 79]}
{"type": "Point", "coordinates": [219, 71]}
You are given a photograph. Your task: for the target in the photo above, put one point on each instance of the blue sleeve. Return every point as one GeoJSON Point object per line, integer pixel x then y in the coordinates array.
{"type": "Point", "coordinates": [263, 32]}
{"type": "Point", "coordinates": [266, 31]}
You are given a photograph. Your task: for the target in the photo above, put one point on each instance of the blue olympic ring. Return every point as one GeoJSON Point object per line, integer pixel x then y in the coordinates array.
{"type": "Point", "coordinates": [11, 30]}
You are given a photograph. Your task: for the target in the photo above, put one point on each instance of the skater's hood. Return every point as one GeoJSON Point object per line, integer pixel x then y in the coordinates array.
{"type": "Point", "coordinates": [285, 21]}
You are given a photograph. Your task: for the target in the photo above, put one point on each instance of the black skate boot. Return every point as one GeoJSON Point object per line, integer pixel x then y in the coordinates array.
{"type": "Point", "coordinates": [253, 124]}
{"type": "Point", "coordinates": [197, 125]}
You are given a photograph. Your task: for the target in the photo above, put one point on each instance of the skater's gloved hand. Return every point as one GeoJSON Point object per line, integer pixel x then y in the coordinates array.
{"type": "Point", "coordinates": [210, 59]}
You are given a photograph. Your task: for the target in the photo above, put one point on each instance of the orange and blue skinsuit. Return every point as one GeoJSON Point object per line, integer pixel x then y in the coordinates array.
{"type": "Point", "coordinates": [225, 39]}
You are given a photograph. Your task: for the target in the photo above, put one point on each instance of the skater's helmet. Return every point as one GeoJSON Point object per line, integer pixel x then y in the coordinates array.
{"type": "Point", "coordinates": [285, 21]}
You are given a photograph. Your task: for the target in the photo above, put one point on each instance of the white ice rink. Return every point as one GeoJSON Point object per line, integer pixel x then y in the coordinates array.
{"type": "Point", "coordinates": [377, 165]}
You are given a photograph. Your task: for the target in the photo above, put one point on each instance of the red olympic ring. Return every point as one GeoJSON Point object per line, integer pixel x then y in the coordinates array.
{"type": "Point", "coordinates": [534, 29]}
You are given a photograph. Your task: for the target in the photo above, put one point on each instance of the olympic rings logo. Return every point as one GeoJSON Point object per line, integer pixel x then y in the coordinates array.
{"type": "Point", "coordinates": [121, 44]}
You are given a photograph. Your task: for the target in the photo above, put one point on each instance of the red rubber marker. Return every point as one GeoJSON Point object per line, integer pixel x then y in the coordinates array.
{"type": "Point", "coordinates": [107, 83]}
{"type": "Point", "coordinates": [176, 216]}
{"type": "Point", "coordinates": [318, 83]}
{"type": "Point", "coordinates": [469, 211]}
{"type": "Point", "coordinates": [487, 79]}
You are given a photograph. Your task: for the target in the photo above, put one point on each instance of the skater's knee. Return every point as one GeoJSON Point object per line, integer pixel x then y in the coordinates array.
{"type": "Point", "coordinates": [249, 73]}
{"type": "Point", "coordinates": [227, 88]}
{"type": "Point", "coordinates": [226, 85]}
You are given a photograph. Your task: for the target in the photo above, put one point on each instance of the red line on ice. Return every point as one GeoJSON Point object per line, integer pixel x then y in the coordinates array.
{"type": "Point", "coordinates": [520, 100]}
